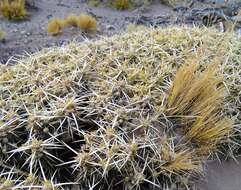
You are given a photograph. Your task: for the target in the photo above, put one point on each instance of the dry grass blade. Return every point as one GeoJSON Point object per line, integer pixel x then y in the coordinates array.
{"type": "Point", "coordinates": [196, 97]}
{"type": "Point", "coordinates": [13, 9]}
{"type": "Point", "coordinates": [55, 26]}
{"type": "Point", "coordinates": [87, 23]}
{"type": "Point", "coordinates": [122, 4]}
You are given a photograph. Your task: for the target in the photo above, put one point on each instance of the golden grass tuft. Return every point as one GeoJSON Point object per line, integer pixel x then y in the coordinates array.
{"type": "Point", "coordinates": [94, 3]}
{"type": "Point", "coordinates": [2, 35]}
{"type": "Point", "coordinates": [71, 20]}
{"type": "Point", "coordinates": [55, 26]}
{"type": "Point", "coordinates": [13, 10]}
{"type": "Point", "coordinates": [122, 4]}
{"type": "Point", "coordinates": [84, 22]}
{"type": "Point", "coordinates": [195, 99]}
{"type": "Point", "coordinates": [87, 23]}
{"type": "Point", "coordinates": [179, 159]}
{"type": "Point", "coordinates": [174, 2]}
{"type": "Point", "coordinates": [183, 162]}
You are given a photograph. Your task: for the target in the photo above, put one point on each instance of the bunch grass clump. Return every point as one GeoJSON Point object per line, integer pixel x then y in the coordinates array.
{"type": "Point", "coordinates": [112, 114]}
{"type": "Point", "coordinates": [129, 4]}
{"type": "Point", "coordinates": [55, 26]}
{"type": "Point", "coordinates": [122, 4]}
{"type": "Point", "coordinates": [87, 23]}
{"type": "Point", "coordinates": [13, 10]}
{"type": "Point", "coordinates": [72, 20]}
{"type": "Point", "coordinates": [195, 100]}
{"type": "Point", "coordinates": [84, 22]}
{"type": "Point", "coordinates": [175, 2]}
{"type": "Point", "coordinates": [2, 35]}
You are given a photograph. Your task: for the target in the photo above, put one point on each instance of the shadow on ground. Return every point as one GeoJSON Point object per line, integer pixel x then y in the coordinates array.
{"type": "Point", "coordinates": [222, 176]}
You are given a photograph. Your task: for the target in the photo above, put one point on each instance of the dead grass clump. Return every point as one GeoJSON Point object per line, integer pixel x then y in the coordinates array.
{"type": "Point", "coordinates": [195, 99]}
{"type": "Point", "coordinates": [13, 10]}
{"type": "Point", "coordinates": [55, 26]}
{"type": "Point", "coordinates": [87, 23]}
{"type": "Point", "coordinates": [2, 35]}
{"type": "Point", "coordinates": [122, 4]}
{"type": "Point", "coordinates": [94, 3]}
{"type": "Point", "coordinates": [84, 22]}
{"type": "Point", "coordinates": [72, 20]}
{"type": "Point", "coordinates": [175, 2]}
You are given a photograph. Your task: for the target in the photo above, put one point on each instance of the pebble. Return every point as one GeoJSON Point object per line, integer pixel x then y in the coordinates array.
{"type": "Point", "coordinates": [22, 32]}
{"type": "Point", "coordinates": [110, 27]}
{"type": "Point", "coordinates": [15, 30]}
{"type": "Point", "coordinates": [49, 16]}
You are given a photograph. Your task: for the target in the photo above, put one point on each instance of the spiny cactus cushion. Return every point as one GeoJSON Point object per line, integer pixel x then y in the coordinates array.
{"type": "Point", "coordinates": [142, 110]}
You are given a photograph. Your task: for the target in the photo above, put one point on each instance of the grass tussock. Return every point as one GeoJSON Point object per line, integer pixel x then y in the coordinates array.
{"type": "Point", "coordinates": [94, 3]}
{"type": "Point", "coordinates": [2, 35]}
{"type": "Point", "coordinates": [122, 4]}
{"type": "Point", "coordinates": [113, 112]}
{"type": "Point", "coordinates": [55, 26]}
{"type": "Point", "coordinates": [87, 23]}
{"type": "Point", "coordinates": [13, 10]}
{"type": "Point", "coordinates": [84, 22]}
{"type": "Point", "coordinates": [195, 97]}
{"type": "Point", "coordinates": [72, 20]}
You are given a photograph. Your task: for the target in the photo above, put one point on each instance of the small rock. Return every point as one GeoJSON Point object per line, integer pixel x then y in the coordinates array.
{"type": "Point", "coordinates": [110, 27]}
{"type": "Point", "coordinates": [22, 32]}
{"type": "Point", "coordinates": [15, 30]}
{"type": "Point", "coordinates": [49, 16]}
{"type": "Point", "coordinates": [25, 41]}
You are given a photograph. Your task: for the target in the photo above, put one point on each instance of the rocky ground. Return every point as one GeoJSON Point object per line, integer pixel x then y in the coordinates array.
{"type": "Point", "coordinates": [30, 35]}
{"type": "Point", "coordinates": [222, 176]}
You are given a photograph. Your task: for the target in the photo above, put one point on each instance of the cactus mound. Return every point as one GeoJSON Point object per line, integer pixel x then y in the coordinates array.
{"type": "Point", "coordinates": [138, 111]}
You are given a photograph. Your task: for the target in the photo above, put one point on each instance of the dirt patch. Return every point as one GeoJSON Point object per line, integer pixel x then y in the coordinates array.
{"type": "Point", "coordinates": [31, 35]}
{"type": "Point", "coordinates": [222, 176]}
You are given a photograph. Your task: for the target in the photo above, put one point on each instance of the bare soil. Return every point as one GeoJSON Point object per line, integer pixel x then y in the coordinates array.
{"type": "Point", "coordinates": [30, 35]}
{"type": "Point", "coordinates": [222, 176]}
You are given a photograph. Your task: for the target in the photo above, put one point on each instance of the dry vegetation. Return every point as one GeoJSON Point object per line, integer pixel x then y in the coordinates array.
{"type": "Point", "coordinates": [113, 113]}
{"type": "Point", "coordinates": [87, 23]}
{"type": "Point", "coordinates": [127, 4]}
{"type": "Point", "coordinates": [2, 35]}
{"type": "Point", "coordinates": [13, 10]}
{"type": "Point", "coordinates": [84, 22]}
{"type": "Point", "coordinates": [195, 100]}
{"type": "Point", "coordinates": [55, 26]}
{"type": "Point", "coordinates": [122, 4]}
{"type": "Point", "coordinates": [72, 20]}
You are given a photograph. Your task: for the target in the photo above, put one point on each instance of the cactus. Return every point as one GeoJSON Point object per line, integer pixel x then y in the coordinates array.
{"type": "Point", "coordinates": [113, 114]}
